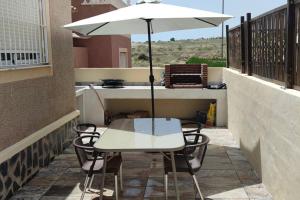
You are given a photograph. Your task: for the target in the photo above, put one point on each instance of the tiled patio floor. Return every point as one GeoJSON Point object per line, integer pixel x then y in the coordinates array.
{"type": "Point", "coordinates": [225, 175]}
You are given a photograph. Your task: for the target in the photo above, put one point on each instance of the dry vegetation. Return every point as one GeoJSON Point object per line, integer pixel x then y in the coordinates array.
{"type": "Point", "coordinates": [170, 52]}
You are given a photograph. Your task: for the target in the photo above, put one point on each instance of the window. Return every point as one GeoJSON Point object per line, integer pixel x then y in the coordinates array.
{"type": "Point", "coordinates": [23, 33]}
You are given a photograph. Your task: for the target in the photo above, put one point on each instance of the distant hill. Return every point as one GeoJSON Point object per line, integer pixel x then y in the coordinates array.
{"type": "Point", "coordinates": [178, 51]}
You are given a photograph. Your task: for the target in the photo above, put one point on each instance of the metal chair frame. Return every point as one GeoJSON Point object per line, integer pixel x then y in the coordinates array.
{"type": "Point", "coordinates": [86, 150]}
{"type": "Point", "coordinates": [79, 131]}
{"type": "Point", "coordinates": [186, 154]}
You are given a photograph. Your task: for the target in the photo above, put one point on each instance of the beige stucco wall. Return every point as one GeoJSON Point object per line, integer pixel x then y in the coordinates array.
{"type": "Point", "coordinates": [266, 121]}
{"type": "Point", "coordinates": [138, 74]}
{"type": "Point", "coordinates": [29, 105]}
{"type": "Point", "coordinates": [128, 74]}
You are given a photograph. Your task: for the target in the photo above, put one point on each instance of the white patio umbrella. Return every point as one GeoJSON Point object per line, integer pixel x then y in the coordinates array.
{"type": "Point", "coordinates": [147, 18]}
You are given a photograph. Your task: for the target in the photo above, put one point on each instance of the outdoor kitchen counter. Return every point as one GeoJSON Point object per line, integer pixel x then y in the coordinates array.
{"type": "Point", "coordinates": [160, 92]}
{"type": "Point", "coordinates": [91, 104]}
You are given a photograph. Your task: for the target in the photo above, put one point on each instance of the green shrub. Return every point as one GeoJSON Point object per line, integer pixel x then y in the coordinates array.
{"type": "Point", "coordinates": [211, 62]}
{"type": "Point", "coordinates": [142, 56]}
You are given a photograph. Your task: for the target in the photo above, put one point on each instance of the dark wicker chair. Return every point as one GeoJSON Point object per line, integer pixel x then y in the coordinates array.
{"type": "Point", "coordinates": [85, 128]}
{"type": "Point", "coordinates": [190, 159]}
{"type": "Point", "coordinates": [91, 166]}
{"type": "Point", "coordinates": [196, 126]}
{"type": "Point", "coordinates": [192, 127]}
{"type": "Point", "coordinates": [195, 123]}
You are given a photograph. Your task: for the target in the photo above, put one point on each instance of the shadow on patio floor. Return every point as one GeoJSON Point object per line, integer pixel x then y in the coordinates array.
{"type": "Point", "coordinates": [225, 175]}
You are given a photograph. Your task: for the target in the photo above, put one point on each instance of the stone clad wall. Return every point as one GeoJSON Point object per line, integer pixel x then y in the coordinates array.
{"type": "Point", "coordinates": [19, 169]}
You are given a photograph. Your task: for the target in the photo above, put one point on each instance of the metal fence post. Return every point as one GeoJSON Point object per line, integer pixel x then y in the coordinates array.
{"type": "Point", "coordinates": [290, 41]}
{"type": "Point", "coordinates": [243, 44]}
{"type": "Point", "coordinates": [249, 45]}
{"type": "Point", "coordinates": [227, 46]}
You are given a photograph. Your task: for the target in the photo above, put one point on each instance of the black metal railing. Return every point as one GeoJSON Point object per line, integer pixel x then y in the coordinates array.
{"type": "Point", "coordinates": [297, 46]}
{"type": "Point", "coordinates": [268, 45]}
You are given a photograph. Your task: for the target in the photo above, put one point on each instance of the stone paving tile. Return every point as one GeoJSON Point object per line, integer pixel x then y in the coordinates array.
{"type": "Point", "coordinates": [225, 175]}
{"type": "Point", "coordinates": [237, 158]}
{"type": "Point", "coordinates": [262, 198]}
{"type": "Point", "coordinates": [184, 183]}
{"type": "Point", "coordinates": [257, 191]}
{"type": "Point", "coordinates": [216, 173]}
{"type": "Point", "coordinates": [156, 192]}
{"type": "Point", "coordinates": [64, 190]}
{"type": "Point", "coordinates": [233, 151]}
{"type": "Point", "coordinates": [87, 197]}
{"type": "Point", "coordinates": [133, 192]}
{"type": "Point", "coordinates": [135, 164]}
{"type": "Point", "coordinates": [42, 181]}
{"type": "Point", "coordinates": [216, 150]}
{"type": "Point", "coordinates": [241, 164]}
{"type": "Point", "coordinates": [137, 172]}
{"type": "Point", "coordinates": [217, 163]}
{"type": "Point", "coordinates": [156, 172]}
{"type": "Point", "coordinates": [46, 177]}
{"type": "Point", "coordinates": [30, 192]}
{"type": "Point", "coordinates": [225, 193]}
{"type": "Point", "coordinates": [219, 182]}
{"type": "Point", "coordinates": [248, 177]}
{"type": "Point", "coordinates": [224, 198]}
{"type": "Point", "coordinates": [70, 179]}
{"type": "Point", "coordinates": [33, 197]}
{"type": "Point", "coordinates": [135, 181]}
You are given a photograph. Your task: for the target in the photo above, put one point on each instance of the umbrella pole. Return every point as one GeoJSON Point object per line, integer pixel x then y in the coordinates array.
{"type": "Point", "coordinates": [151, 77]}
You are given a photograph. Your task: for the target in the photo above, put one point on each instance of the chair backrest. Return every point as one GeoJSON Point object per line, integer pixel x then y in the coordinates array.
{"type": "Point", "coordinates": [196, 147]}
{"type": "Point", "coordinates": [83, 150]}
{"type": "Point", "coordinates": [84, 128]}
{"type": "Point", "coordinates": [196, 126]}
{"type": "Point", "coordinates": [202, 148]}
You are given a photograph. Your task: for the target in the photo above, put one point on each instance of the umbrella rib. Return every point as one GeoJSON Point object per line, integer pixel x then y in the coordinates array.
{"type": "Point", "coordinates": [206, 21]}
{"type": "Point", "coordinates": [97, 28]}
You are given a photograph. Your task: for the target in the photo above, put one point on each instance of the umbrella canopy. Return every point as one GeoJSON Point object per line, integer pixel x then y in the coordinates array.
{"type": "Point", "coordinates": [131, 20]}
{"type": "Point", "coordinates": [147, 18]}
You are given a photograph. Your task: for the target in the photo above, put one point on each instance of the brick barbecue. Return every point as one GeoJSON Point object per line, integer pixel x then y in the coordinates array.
{"type": "Point", "coordinates": [186, 76]}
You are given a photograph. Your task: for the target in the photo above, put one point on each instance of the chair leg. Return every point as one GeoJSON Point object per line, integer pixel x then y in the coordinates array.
{"type": "Point", "coordinates": [166, 186]}
{"type": "Point", "coordinates": [116, 187]}
{"type": "Point", "coordinates": [197, 186]}
{"type": "Point", "coordinates": [91, 181]}
{"type": "Point", "coordinates": [103, 176]}
{"type": "Point", "coordinates": [175, 176]}
{"type": "Point", "coordinates": [86, 182]}
{"type": "Point", "coordinates": [121, 177]}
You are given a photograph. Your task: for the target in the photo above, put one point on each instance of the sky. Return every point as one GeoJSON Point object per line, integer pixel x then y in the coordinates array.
{"type": "Point", "coordinates": [236, 8]}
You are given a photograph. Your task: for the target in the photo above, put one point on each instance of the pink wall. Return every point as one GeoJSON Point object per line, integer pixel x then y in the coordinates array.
{"type": "Point", "coordinates": [99, 50]}
{"type": "Point", "coordinates": [103, 51]}
{"type": "Point", "coordinates": [80, 55]}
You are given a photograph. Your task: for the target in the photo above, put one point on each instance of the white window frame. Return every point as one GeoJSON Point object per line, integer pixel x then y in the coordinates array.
{"type": "Point", "coordinates": [26, 53]}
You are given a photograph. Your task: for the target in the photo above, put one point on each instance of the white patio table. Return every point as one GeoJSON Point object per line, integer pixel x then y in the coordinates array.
{"type": "Point", "coordinates": [142, 135]}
